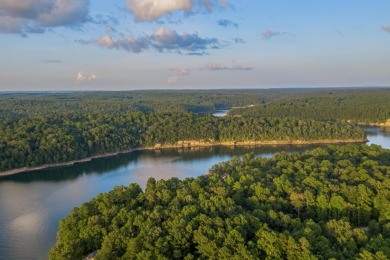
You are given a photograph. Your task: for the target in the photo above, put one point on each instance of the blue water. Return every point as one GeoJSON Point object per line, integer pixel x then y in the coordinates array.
{"type": "Point", "coordinates": [32, 204]}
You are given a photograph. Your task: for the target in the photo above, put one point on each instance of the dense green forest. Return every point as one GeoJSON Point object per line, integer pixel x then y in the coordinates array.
{"type": "Point", "coordinates": [369, 104]}
{"type": "Point", "coordinates": [40, 128]}
{"type": "Point", "coordinates": [322, 204]}
{"type": "Point", "coordinates": [205, 101]}
{"type": "Point", "coordinates": [62, 137]}
{"type": "Point", "coordinates": [328, 203]}
{"type": "Point", "coordinates": [363, 106]}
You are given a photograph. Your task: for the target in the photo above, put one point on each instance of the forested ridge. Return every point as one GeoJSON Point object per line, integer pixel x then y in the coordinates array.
{"type": "Point", "coordinates": [63, 137]}
{"type": "Point", "coordinates": [327, 203]}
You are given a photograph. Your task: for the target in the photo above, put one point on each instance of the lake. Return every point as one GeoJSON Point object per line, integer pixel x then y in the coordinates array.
{"type": "Point", "coordinates": [33, 203]}
{"type": "Point", "coordinates": [220, 112]}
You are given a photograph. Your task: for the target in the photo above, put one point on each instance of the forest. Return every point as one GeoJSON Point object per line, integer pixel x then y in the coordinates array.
{"type": "Point", "coordinates": [372, 103]}
{"type": "Point", "coordinates": [327, 203]}
{"type": "Point", "coordinates": [63, 137]}
{"type": "Point", "coordinates": [368, 107]}
{"type": "Point", "coordinates": [40, 128]}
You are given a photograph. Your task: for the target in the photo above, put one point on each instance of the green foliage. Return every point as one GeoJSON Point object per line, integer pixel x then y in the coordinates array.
{"type": "Point", "coordinates": [70, 136]}
{"type": "Point", "coordinates": [313, 205]}
{"type": "Point", "coordinates": [198, 101]}
{"type": "Point", "coordinates": [46, 128]}
{"type": "Point", "coordinates": [370, 105]}
{"type": "Point", "coordinates": [356, 105]}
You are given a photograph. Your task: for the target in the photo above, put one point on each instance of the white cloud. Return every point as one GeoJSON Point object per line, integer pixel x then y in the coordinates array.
{"type": "Point", "coordinates": [82, 77]}
{"type": "Point", "coordinates": [172, 80]}
{"type": "Point", "coordinates": [106, 41]}
{"type": "Point", "coordinates": [183, 72]}
{"type": "Point", "coordinates": [178, 73]}
{"type": "Point", "coordinates": [10, 24]}
{"type": "Point", "coordinates": [33, 16]}
{"type": "Point", "coordinates": [64, 12]}
{"type": "Point", "coordinates": [163, 39]}
{"type": "Point", "coordinates": [241, 67]}
{"type": "Point", "coordinates": [148, 10]}
{"type": "Point", "coordinates": [167, 39]}
{"type": "Point", "coordinates": [145, 10]}
{"type": "Point", "coordinates": [130, 43]}
{"type": "Point", "coordinates": [92, 77]}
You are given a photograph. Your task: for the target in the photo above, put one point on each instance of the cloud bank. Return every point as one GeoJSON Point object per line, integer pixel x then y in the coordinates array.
{"type": "Point", "coordinates": [162, 40]}
{"type": "Point", "coordinates": [148, 10]}
{"type": "Point", "coordinates": [34, 16]}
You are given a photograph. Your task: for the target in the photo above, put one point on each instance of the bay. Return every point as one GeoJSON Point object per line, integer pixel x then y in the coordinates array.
{"type": "Point", "coordinates": [32, 203]}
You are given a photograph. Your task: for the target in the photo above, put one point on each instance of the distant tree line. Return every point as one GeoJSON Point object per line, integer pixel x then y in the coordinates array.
{"type": "Point", "coordinates": [373, 107]}
{"type": "Point", "coordinates": [69, 136]}
{"type": "Point", "coordinates": [205, 101]}
{"type": "Point", "coordinates": [328, 203]}
{"type": "Point", "coordinates": [369, 104]}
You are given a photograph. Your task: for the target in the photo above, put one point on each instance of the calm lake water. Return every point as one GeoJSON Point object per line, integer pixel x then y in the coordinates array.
{"type": "Point", "coordinates": [32, 204]}
{"type": "Point", "coordinates": [220, 112]}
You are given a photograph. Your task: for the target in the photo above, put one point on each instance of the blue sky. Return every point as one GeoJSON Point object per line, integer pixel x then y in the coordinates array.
{"type": "Point", "coordinates": [173, 44]}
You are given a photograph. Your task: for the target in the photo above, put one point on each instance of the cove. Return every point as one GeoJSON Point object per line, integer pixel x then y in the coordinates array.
{"type": "Point", "coordinates": [32, 203]}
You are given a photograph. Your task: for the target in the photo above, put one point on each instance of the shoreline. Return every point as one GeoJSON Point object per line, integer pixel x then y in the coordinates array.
{"type": "Point", "coordinates": [62, 164]}
{"type": "Point", "coordinates": [180, 144]}
{"type": "Point", "coordinates": [373, 124]}
{"type": "Point", "coordinates": [385, 124]}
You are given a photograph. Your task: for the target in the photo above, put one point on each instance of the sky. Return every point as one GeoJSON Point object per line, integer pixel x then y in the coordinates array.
{"type": "Point", "coordinates": [201, 44]}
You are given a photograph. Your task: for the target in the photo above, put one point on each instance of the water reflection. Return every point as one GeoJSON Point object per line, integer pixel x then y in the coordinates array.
{"type": "Point", "coordinates": [378, 135]}
{"type": "Point", "coordinates": [221, 112]}
{"type": "Point", "coordinates": [115, 163]}
{"type": "Point", "coordinates": [98, 166]}
{"type": "Point", "coordinates": [33, 203]}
